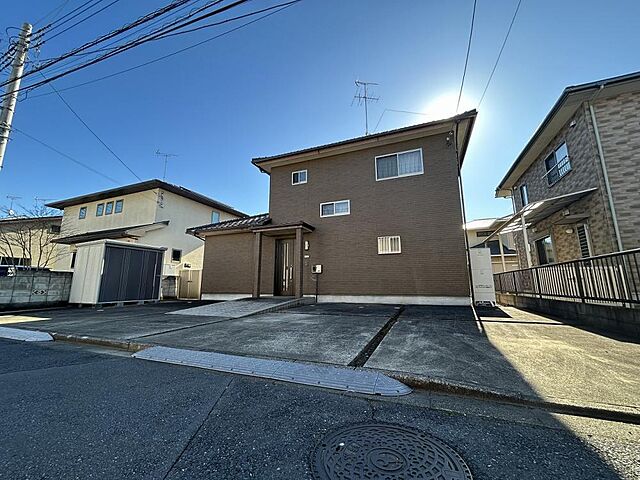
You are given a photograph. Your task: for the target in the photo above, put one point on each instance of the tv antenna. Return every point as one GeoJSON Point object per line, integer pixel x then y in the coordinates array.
{"type": "Point", "coordinates": [40, 199]}
{"type": "Point", "coordinates": [363, 98]}
{"type": "Point", "coordinates": [13, 198]}
{"type": "Point", "coordinates": [166, 158]}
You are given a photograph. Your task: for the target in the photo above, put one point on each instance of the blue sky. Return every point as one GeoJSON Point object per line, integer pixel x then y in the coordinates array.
{"type": "Point", "coordinates": [287, 82]}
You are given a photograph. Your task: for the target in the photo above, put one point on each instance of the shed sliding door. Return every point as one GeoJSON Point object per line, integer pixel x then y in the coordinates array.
{"type": "Point", "coordinates": [130, 274]}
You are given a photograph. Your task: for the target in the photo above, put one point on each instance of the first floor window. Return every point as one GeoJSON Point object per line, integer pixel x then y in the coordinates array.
{"type": "Point", "coordinates": [83, 213]}
{"type": "Point", "coordinates": [544, 247]}
{"type": "Point", "coordinates": [388, 245]}
{"type": "Point", "coordinates": [109, 208]}
{"type": "Point", "coordinates": [299, 177]}
{"type": "Point", "coordinates": [99, 209]}
{"type": "Point", "coordinates": [215, 217]}
{"type": "Point", "coordinates": [583, 240]}
{"type": "Point", "coordinates": [176, 255]}
{"type": "Point", "coordinates": [119, 205]}
{"type": "Point", "coordinates": [333, 209]}
{"type": "Point", "coordinates": [73, 260]}
{"type": "Point", "coordinates": [399, 164]}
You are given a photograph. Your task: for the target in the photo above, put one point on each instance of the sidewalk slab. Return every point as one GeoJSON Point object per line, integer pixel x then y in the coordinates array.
{"type": "Point", "coordinates": [24, 335]}
{"type": "Point", "coordinates": [336, 378]}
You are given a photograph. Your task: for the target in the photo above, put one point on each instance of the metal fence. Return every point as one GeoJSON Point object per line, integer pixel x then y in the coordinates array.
{"type": "Point", "coordinates": [613, 279]}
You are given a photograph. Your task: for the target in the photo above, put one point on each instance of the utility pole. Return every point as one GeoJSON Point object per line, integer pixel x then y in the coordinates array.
{"type": "Point", "coordinates": [364, 99]}
{"type": "Point", "coordinates": [9, 103]}
{"type": "Point", "coordinates": [166, 157]}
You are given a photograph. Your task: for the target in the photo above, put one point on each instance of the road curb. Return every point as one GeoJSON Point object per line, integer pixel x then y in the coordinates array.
{"type": "Point", "coordinates": [439, 385]}
{"type": "Point", "coordinates": [102, 342]}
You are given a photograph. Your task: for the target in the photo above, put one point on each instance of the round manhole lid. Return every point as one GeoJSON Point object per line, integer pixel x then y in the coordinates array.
{"type": "Point", "coordinates": [385, 451]}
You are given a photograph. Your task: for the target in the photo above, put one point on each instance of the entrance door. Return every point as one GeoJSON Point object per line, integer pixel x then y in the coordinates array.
{"type": "Point", "coordinates": [284, 267]}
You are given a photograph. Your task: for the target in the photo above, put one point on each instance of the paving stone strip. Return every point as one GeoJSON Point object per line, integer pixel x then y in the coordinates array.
{"type": "Point", "coordinates": [243, 307]}
{"type": "Point", "coordinates": [24, 335]}
{"type": "Point", "coordinates": [337, 378]}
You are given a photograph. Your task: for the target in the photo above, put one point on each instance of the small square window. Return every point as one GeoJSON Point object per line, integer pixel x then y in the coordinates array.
{"type": "Point", "coordinates": [215, 217]}
{"type": "Point", "coordinates": [83, 213]}
{"type": "Point", "coordinates": [389, 245]}
{"type": "Point", "coordinates": [299, 177]}
{"type": "Point", "coordinates": [109, 209]}
{"type": "Point", "coordinates": [99, 209]}
{"type": "Point", "coordinates": [54, 228]}
{"type": "Point", "coordinates": [119, 205]}
{"type": "Point", "coordinates": [176, 255]}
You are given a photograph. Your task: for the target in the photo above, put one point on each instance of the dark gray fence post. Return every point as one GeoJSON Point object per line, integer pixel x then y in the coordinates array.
{"type": "Point", "coordinates": [576, 267]}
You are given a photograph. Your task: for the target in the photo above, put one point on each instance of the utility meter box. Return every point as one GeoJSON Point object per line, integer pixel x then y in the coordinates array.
{"type": "Point", "coordinates": [316, 269]}
{"type": "Point", "coordinates": [482, 272]}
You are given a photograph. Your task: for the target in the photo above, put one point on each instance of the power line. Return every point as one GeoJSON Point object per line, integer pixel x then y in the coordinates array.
{"type": "Point", "coordinates": [466, 60]}
{"type": "Point", "coordinates": [78, 162]}
{"type": "Point", "coordinates": [56, 22]}
{"type": "Point", "coordinates": [163, 57]}
{"type": "Point", "coordinates": [91, 130]}
{"type": "Point", "coordinates": [495, 65]}
{"type": "Point", "coordinates": [82, 20]}
{"type": "Point", "coordinates": [53, 13]}
{"type": "Point", "coordinates": [51, 27]}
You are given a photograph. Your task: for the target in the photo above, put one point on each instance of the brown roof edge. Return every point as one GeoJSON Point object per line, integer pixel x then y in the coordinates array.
{"type": "Point", "coordinates": [143, 186]}
{"type": "Point", "coordinates": [233, 224]}
{"type": "Point", "coordinates": [571, 90]}
{"type": "Point", "coordinates": [471, 114]}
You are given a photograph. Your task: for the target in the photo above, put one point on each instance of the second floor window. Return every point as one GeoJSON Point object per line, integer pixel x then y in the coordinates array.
{"type": "Point", "coordinates": [524, 194]}
{"type": "Point", "coordinates": [109, 208]}
{"type": "Point", "coordinates": [557, 164]}
{"type": "Point", "coordinates": [83, 213]}
{"type": "Point", "coordinates": [400, 164]}
{"type": "Point", "coordinates": [215, 217]}
{"type": "Point", "coordinates": [119, 205]}
{"type": "Point", "coordinates": [99, 209]}
{"type": "Point", "coordinates": [299, 177]}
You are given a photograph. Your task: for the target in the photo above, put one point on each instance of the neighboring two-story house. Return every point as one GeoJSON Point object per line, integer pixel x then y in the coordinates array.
{"type": "Point", "coordinates": [576, 185]}
{"type": "Point", "coordinates": [29, 241]}
{"type": "Point", "coordinates": [504, 257]}
{"type": "Point", "coordinates": [372, 219]}
{"type": "Point", "coordinates": [151, 213]}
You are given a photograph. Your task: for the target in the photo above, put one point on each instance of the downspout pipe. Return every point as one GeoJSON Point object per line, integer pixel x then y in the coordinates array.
{"type": "Point", "coordinates": [606, 177]}
{"type": "Point", "coordinates": [464, 215]}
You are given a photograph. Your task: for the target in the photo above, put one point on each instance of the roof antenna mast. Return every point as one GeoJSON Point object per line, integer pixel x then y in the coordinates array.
{"type": "Point", "coordinates": [363, 98]}
{"type": "Point", "coordinates": [166, 158]}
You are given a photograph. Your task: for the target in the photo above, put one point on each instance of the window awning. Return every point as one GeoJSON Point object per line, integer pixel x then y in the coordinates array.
{"type": "Point", "coordinates": [538, 211]}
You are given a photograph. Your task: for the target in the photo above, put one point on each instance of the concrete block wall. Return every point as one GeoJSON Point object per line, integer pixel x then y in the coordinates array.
{"type": "Point", "coordinates": [34, 288]}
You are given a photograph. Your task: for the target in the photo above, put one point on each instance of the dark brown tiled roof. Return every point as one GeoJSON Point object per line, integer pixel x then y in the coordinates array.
{"type": "Point", "coordinates": [235, 224]}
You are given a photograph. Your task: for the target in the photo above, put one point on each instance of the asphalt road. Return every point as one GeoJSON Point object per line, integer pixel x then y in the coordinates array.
{"type": "Point", "coordinates": [75, 412]}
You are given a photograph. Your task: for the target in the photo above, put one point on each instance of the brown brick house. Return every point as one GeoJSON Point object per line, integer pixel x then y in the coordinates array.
{"type": "Point", "coordinates": [575, 186]}
{"type": "Point", "coordinates": [380, 216]}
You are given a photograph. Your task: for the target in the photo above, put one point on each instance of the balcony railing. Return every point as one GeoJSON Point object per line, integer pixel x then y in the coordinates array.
{"type": "Point", "coordinates": [612, 279]}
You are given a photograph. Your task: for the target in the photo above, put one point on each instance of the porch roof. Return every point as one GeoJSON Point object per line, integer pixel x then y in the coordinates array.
{"type": "Point", "coordinates": [538, 211]}
{"type": "Point", "coordinates": [284, 228]}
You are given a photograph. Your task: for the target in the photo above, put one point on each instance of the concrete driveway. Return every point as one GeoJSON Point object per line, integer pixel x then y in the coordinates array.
{"type": "Point", "coordinates": [507, 351]}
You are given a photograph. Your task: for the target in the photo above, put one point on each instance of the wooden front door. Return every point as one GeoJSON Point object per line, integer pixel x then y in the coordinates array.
{"type": "Point", "coordinates": [284, 283]}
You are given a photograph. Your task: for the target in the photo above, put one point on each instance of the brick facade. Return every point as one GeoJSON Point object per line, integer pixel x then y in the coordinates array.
{"type": "Point", "coordinates": [617, 119]}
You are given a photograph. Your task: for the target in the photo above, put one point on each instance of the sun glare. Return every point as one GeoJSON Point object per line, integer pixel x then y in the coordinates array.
{"type": "Point", "coordinates": [444, 106]}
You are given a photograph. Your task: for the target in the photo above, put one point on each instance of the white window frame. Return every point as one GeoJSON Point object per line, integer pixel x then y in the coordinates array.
{"type": "Point", "coordinates": [397, 154]}
{"type": "Point", "coordinates": [390, 252]}
{"type": "Point", "coordinates": [586, 233]}
{"type": "Point", "coordinates": [348, 212]}
{"type": "Point", "coordinates": [560, 166]}
{"type": "Point", "coordinates": [82, 213]}
{"type": "Point", "coordinates": [306, 176]}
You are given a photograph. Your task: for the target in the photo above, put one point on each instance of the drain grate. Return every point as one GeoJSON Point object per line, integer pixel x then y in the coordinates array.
{"type": "Point", "coordinates": [385, 451]}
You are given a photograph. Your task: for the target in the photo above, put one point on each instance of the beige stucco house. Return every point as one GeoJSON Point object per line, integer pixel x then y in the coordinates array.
{"type": "Point", "coordinates": [504, 256]}
{"type": "Point", "coordinates": [28, 241]}
{"type": "Point", "coordinates": [153, 213]}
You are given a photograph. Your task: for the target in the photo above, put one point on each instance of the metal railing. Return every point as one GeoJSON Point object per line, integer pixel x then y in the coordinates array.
{"type": "Point", "coordinates": [612, 279]}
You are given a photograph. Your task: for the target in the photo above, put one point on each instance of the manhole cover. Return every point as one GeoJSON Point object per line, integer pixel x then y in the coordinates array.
{"type": "Point", "coordinates": [385, 451]}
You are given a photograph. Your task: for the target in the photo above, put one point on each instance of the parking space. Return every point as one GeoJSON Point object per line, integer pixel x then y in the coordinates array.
{"type": "Point", "coordinates": [122, 323]}
{"type": "Point", "coordinates": [292, 334]}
